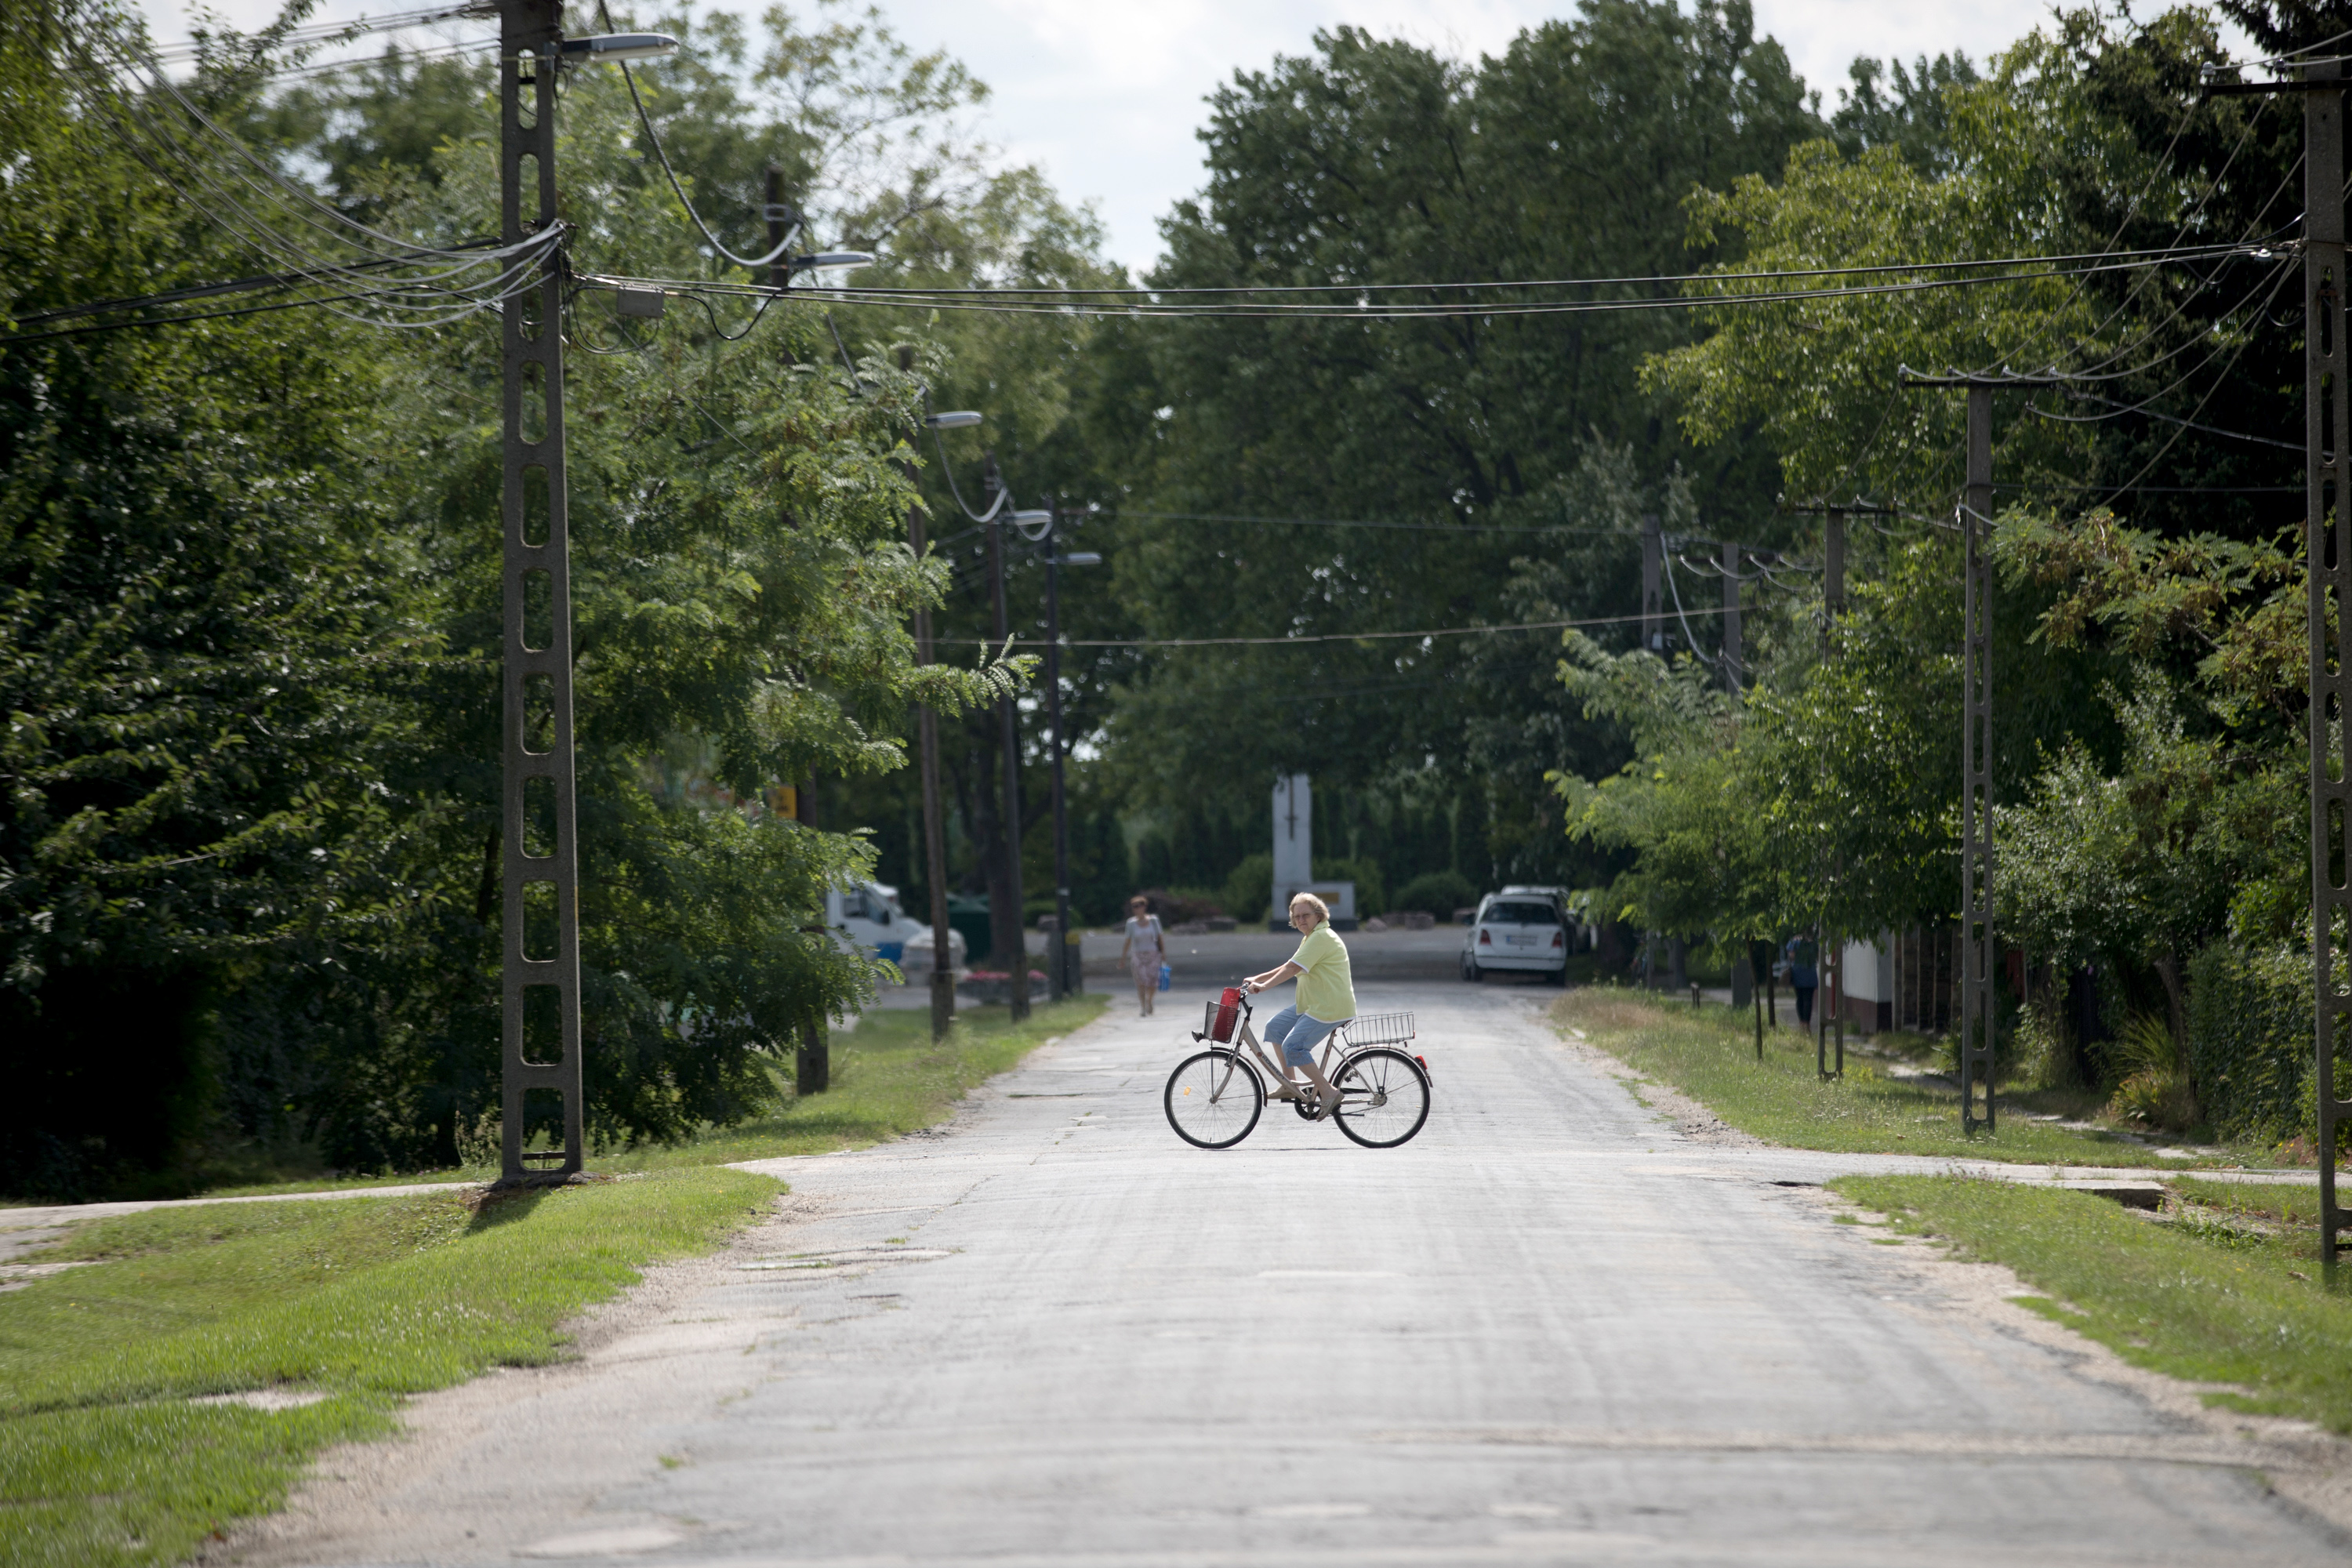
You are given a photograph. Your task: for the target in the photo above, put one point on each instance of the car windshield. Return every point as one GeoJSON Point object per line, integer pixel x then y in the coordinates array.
{"type": "Point", "coordinates": [1522, 914]}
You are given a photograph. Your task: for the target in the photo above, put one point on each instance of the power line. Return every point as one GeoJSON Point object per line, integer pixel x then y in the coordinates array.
{"type": "Point", "coordinates": [245, 195]}
{"type": "Point", "coordinates": [189, 316]}
{"type": "Point", "coordinates": [318, 33]}
{"type": "Point", "coordinates": [2175, 252]}
{"type": "Point", "coordinates": [1326, 637]}
{"type": "Point", "coordinates": [1077, 303]}
{"type": "Point", "coordinates": [1115, 514]}
{"type": "Point", "coordinates": [196, 291]}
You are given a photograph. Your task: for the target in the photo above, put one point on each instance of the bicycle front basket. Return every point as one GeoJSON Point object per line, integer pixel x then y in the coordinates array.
{"type": "Point", "coordinates": [1223, 1014]}
{"type": "Point", "coordinates": [1380, 1029]}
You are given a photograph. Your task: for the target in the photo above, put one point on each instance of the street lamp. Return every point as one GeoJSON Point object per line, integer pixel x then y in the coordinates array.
{"type": "Point", "coordinates": [960, 419]}
{"type": "Point", "coordinates": [1055, 561]}
{"type": "Point", "coordinates": [619, 47]}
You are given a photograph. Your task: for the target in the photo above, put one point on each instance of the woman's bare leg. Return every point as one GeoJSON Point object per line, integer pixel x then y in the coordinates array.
{"type": "Point", "coordinates": [1323, 1087]}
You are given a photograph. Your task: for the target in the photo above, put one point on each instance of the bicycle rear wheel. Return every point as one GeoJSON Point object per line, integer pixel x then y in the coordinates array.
{"type": "Point", "coordinates": [1214, 1100]}
{"type": "Point", "coordinates": [1383, 1096]}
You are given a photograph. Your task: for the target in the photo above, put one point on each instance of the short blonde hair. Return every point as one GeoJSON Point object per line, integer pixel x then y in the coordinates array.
{"type": "Point", "coordinates": [1322, 910]}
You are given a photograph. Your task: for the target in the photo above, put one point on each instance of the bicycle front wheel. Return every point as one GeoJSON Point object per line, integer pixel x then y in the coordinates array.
{"type": "Point", "coordinates": [1214, 1100]}
{"type": "Point", "coordinates": [1383, 1098]}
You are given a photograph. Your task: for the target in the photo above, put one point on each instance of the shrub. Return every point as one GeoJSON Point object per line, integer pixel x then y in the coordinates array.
{"type": "Point", "coordinates": [1371, 887]}
{"type": "Point", "coordinates": [2044, 1044]}
{"type": "Point", "coordinates": [1176, 905]}
{"type": "Point", "coordinates": [1438, 893]}
{"type": "Point", "coordinates": [2250, 1031]}
{"type": "Point", "coordinates": [2155, 1091]}
{"type": "Point", "coordinates": [1249, 891]}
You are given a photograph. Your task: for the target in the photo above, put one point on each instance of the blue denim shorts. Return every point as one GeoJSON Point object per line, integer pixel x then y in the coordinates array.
{"type": "Point", "coordinates": [1298, 1035]}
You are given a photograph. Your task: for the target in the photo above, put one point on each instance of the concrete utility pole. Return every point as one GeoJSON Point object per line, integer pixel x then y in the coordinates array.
{"type": "Point", "coordinates": [1057, 967]}
{"type": "Point", "coordinates": [927, 741]}
{"type": "Point", "coordinates": [1978, 952]}
{"type": "Point", "coordinates": [1832, 955]}
{"type": "Point", "coordinates": [2327, 425]}
{"type": "Point", "coordinates": [993, 481]}
{"type": "Point", "coordinates": [2327, 428]}
{"type": "Point", "coordinates": [1833, 560]}
{"type": "Point", "coordinates": [781, 218]}
{"type": "Point", "coordinates": [1653, 619]}
{"type": "Point", "coordinates": [539, 981]}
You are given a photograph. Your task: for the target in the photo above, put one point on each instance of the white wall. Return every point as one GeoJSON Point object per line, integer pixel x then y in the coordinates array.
{"type": "Point", "coordinates": [1870, 971]}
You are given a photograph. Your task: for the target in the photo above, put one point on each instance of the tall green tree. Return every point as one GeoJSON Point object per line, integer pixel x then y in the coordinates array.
{"type": "Point", "coordinates": [1373, 163]}
{"type": "Point", "coordinates": [252, 642]}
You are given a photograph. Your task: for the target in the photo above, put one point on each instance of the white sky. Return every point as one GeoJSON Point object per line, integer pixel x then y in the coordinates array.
{"type": "Point", "coordinates": [1105, 95]}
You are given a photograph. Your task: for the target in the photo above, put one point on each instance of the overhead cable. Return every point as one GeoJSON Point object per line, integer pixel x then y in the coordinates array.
{"type": "Point", "coordinates": [1017, 302]}
{"type": "Point", "coordinates": [1677, 279]}
{"type": "Point", "coordinates": [1120, 512]}
{"type": "Point", "coordinates": [1304, 640]}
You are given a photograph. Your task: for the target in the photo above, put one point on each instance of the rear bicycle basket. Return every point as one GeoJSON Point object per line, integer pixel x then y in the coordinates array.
{"type": "Point", "coordinates": [1380, 1029]}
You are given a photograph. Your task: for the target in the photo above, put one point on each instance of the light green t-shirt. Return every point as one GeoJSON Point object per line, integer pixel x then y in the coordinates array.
{"type": "Point", "coordinates": [1326, 990]}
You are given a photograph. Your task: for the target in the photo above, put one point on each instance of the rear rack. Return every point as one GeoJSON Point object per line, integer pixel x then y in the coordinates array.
{"type": "Point", "coordinates": [1380, 1029]}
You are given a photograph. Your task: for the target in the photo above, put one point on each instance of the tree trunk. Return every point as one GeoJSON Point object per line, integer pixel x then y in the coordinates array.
{"type": "Point", "coordinates": [2168, 969]}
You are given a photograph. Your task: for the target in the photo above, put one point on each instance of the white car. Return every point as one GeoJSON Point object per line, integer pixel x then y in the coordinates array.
{"type": "Point", "coordinates": [1516, 930]}
{"type": "Point", "coordinates": [866, 918]}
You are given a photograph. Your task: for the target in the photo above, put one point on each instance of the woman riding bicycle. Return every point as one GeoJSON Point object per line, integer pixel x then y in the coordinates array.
{"type": "Point", "coordinates": [1326, 998]}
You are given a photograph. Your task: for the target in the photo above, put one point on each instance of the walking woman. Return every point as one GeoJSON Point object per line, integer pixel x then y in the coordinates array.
{"type": "Point", "coordinates": [1803, 977]}
{"type": "Point", "coordinates": [1144, 950]}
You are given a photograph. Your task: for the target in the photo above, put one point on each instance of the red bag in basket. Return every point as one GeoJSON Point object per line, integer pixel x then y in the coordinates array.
{"type": "Point", "coordinates": [1229, 1009]}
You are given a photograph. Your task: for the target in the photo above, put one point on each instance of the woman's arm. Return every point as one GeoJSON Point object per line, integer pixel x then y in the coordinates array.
{"type": "Point", "coordinates": [1274, 976]}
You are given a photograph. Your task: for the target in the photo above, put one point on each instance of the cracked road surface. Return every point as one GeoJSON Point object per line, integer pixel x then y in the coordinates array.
{"type": "Point", "coordinates": [1551, 1329]}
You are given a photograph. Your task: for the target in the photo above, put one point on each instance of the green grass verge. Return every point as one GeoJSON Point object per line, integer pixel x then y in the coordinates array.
{"type": "Point", "coordinates": [888, 1080]}
{"type": "Point", "coordinates": [1711, 1056]}
{"type": "Point", "coordinates": [104, 1460]}
{"type": "Point", "coordinates": [2202, 1297]}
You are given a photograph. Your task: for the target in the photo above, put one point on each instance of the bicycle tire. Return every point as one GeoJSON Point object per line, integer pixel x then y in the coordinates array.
{"type": "Point", "coordinates": [1381, 1089]}
{"type": "Point", "coordinates": [1206, 1085]}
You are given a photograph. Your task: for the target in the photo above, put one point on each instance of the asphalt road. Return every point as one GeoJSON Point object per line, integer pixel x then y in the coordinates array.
{"type": "Point", "coordinates": [1550, 1330]}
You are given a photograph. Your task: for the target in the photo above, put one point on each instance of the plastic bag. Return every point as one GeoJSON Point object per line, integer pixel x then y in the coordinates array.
{"type": "Point", "coordinates": [1166, 975]}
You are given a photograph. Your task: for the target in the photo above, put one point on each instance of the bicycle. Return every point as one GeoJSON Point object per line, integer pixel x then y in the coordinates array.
{"type": "Point", "coordinates": [1215, 1097]}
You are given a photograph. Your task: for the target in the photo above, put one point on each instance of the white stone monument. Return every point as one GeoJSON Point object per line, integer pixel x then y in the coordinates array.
{"type": "Point", "coordinates": [1294, 858]}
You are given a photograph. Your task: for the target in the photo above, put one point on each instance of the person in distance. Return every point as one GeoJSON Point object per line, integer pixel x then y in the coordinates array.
{"type": "Point", "coordinates": [1144, 950]}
